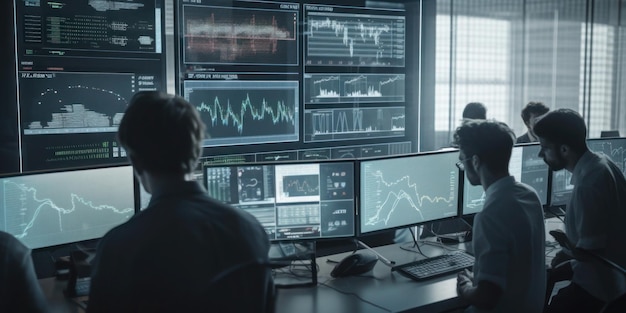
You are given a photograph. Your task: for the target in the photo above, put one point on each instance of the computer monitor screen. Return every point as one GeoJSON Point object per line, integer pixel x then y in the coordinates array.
{"type": "Point", "coordinates": [614, 148]}
{"type": "Point", "coordinates": [49, 209]}
{"type": "Point", "coordinates": [525, 165]}
{"type": "Point", "coordinates": [303, 200]}
{"type": "Point", "coordinates": [407, 190]}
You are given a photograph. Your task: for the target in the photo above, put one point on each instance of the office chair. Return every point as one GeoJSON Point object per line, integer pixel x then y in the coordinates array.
{"type": "Point", "coordinates": [618, 305]}
{"type": "Point", "coordinates": [615, 306]}
{"type": "Point", "coordinates": [244, 287]}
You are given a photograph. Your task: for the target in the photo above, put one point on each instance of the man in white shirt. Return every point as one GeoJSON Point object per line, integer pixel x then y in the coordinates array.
{"type": "Point", "coordinates": [509, 236]}
{"type": "Point", "coordinates": [595, 216]}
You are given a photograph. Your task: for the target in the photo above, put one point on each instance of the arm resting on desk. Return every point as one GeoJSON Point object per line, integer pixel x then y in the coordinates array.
{"type": "Point", "coordinates": [484, 295]}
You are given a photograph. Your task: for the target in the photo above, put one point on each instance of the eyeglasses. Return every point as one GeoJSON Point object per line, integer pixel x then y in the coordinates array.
{"type": "Point", "coordinates": [461, 165]}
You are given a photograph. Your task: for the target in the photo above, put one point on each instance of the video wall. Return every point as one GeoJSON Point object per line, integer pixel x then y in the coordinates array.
{"type": "Point", "coordinates": [298, 81]}
{"type": "Point", "coordinates": [272, 80]}
{"type": "Point", "coordinates": [77, 65]}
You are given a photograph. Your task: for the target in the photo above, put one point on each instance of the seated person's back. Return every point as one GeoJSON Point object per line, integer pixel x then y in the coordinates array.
{"type": "Point", "coordinates": [166, 257]}
{"type": "Point", "coordinates": [185, 251]}
{"type": "Point", "coordinates": [19, 288]}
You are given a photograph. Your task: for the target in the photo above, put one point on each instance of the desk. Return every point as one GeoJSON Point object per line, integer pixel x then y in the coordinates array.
{"type": "Point", "coordinates": [378, 291]}
{"type": "Point", "coordinates": [390, 291]}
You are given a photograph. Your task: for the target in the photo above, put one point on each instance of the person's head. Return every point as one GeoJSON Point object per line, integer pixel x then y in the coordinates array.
{"type": "Point", "coordinates": [484, 145]}
{"type": "Point", "coordinates": [563, 137]}
{"type": "Point", "coordinates": [531, 112]}
{"type": "Point", "coordinates": [475, 111]}
{"type": "Point", "coordinates": [162, 134]}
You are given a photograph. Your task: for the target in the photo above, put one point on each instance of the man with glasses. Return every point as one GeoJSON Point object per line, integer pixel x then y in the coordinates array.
{"type": "Point", "coordinates": [509, 238]}
{"type": "Point", "coordinates": [594, 218]}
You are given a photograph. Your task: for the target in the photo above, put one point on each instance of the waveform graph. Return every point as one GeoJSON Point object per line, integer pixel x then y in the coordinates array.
{"type": "Point", "coordinates": [42, 212]}
{"type": "Point", "coordinates": [301, 185]}
{"type": "Point", "coordinates": [246, 112]}
{"type": "Point", "coordinates": [407, 190]}
{"type": "Point", "coordinates": [350, 88]}
{"type": "Point", "coordinates": [239, 35]}
{"type": "Point", "coordinates": [354, 123]}
{"type": "Point", "coordinates": [297, 183]}
{"type": "Point", "coordinates": [65, 102]}
{"type": "Point", "coordinates": [354, 39]}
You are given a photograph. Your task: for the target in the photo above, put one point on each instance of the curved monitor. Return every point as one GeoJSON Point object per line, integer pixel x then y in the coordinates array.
{"type": "Point", "coordinates": [293, 201]}
{"type": "Point", "coordinates": [49, 209]}
{"type": "Point", "coordinates": [525, 165]}
{"type": "Point", "coordinates": [407, 190]}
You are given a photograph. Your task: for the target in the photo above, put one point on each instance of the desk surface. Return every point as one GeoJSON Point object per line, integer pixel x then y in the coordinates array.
{"type": "Point", "coordinates": [377, 291]}
{"type": "Point", "coordinates": [380, 290]}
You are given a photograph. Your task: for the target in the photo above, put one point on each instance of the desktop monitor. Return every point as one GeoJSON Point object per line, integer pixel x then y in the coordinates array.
{"type": "Point", "coordinates": [293, 201]}
{"type": "Point", "coordinates": [525, 165]}
{"type": "Point", "coordinates": [49, 209]}
{"type": "Point", "coordinates": [614, 148]}
{"type": "Point", "coordinates": [407, 190]}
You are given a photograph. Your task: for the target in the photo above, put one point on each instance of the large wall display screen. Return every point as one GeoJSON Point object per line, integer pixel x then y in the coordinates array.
{"type": "Point", "coordinates": [78, 64]}
{"type": "Point", "coordinates": [285, 81]}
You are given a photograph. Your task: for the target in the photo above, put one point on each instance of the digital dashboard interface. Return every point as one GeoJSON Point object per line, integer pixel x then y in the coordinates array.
{"type": "Point", "coordinates": [78, 65]}
{"type": "Point", "coordinates": [305, 200]}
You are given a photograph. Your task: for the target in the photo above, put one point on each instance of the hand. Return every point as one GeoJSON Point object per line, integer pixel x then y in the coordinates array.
{"type": "Point", "coordinates": [562, 239]}
{"type": "Point", "coordinates": [559, 258]}
{"type": "Point", "coordinates": [464, 280]}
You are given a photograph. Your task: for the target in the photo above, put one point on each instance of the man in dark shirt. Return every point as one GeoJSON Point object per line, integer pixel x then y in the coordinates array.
{"type": "Point", "coordinates": [180, 253]}
{"type": "Point", "coordinates": [19, 288]}
{"type": "Point", "coordinates": [530, 113]}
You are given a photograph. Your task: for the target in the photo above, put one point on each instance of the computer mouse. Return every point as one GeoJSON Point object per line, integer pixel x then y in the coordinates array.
{"type": "Point", "coordinates": [354, 264]}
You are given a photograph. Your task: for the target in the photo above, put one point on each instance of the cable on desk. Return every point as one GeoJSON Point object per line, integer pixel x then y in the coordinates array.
{"type": "Point", "coordinates": [356, 296]}
{"type": "Point", "coordinates": [295, 271]}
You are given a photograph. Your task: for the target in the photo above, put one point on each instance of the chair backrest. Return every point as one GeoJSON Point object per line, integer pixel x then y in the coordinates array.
{"type": "Point", "coordinates": [244, 287]}
{"type": "Point", "coordinates": [618, 305]}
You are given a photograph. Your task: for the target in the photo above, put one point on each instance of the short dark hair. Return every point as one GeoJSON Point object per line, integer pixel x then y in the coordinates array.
{"type": "Point", "coordinates": [490, 140]}
{"type": "Point", "coordinates": [534, 108]}
{"type": "Point", "coordinates": [475, 110]}
{"type": "Point", "coordinates": [163, 132]}
{"type": "Point", "coordinates": [563, 127]}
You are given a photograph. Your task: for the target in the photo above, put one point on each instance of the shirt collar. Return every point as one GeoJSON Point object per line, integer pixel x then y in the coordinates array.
{"type": "Point", "coordinates": [499, 184]}
{"type": "Point", "coordinates": [177, 189]}
{"type": "Point", "coordinates": [581, 165]}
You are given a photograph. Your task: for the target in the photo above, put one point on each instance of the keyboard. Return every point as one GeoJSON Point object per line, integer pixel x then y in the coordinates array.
{"type": "Point", "coordinates": [436, 266]}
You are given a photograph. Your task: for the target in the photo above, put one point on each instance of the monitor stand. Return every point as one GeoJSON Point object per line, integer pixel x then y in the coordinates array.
{"type": "Point", "coordinates": [380, 257]}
